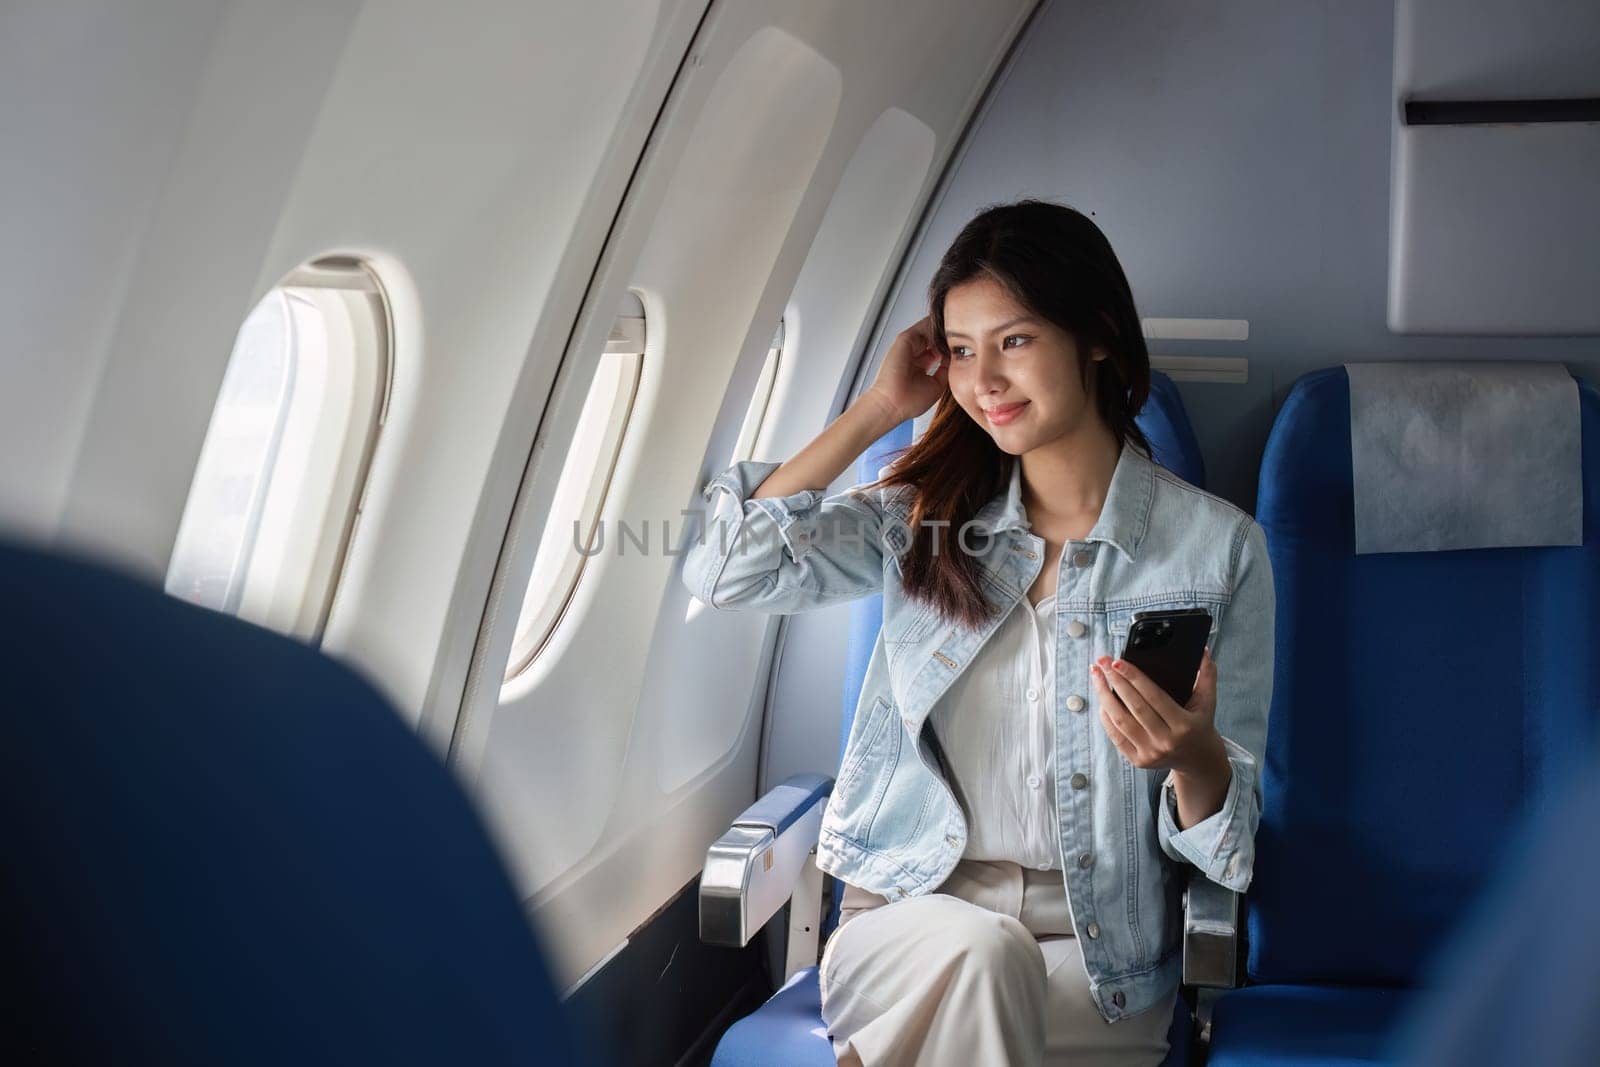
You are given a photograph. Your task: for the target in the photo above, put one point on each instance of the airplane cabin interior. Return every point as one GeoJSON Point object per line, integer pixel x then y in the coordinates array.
{"type": "Point", "coordinates": [384, 380]}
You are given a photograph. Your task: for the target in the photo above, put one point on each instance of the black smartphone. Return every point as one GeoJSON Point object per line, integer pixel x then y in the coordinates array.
{"type": "Point", "coordinates": [1168, 646]}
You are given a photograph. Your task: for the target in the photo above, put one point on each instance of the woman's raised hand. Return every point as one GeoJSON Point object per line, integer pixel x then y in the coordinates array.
{"type": "Point", "coordinates": [913, 374]}
{"type": "Point", "coordinates": [1148, 727]}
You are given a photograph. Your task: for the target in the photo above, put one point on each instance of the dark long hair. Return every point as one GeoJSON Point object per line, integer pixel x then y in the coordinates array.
{"type": "Point", "coordinates": [1056, 263]}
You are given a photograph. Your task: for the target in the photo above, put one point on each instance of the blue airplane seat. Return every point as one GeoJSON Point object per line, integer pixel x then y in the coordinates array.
{"type": "Point", "coordinates": [1422, 702]}
{"type": "Point", "coordinates": [224, 847]}
{"type": "Point", "coordinates": [788, 1030]}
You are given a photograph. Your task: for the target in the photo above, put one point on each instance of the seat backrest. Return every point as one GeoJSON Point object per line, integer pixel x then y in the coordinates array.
{"type": "Point", "coordinates": [1421, 700]}
{"type": "Point", "coordinates": [224, 847]}
{"type": "Point", "coordinates": [1172, 444]}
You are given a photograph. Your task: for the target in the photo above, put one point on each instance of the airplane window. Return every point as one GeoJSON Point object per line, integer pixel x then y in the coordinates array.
{"type": "Point", "coordinates": [744, 447]}
{"type": "Point", "coordinates": [569, 533]}
{"type": "Point", "coordinates": [274, 495]}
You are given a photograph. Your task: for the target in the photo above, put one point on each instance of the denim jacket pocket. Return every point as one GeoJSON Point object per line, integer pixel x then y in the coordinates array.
{"type": "Point", "coordinates": [870, 751]}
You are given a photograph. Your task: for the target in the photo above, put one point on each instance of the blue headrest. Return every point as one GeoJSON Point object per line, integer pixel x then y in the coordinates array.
{"type": "Point", "coordinates": [223, 847]}
{"type": "Point", "coordinates": [1420, 702]}
{"type": "Point", "coordinates": [1165, 423]}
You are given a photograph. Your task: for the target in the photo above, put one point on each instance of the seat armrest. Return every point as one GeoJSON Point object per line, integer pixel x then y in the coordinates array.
{"type": "Point", "coordinates": [751, 870]}
{"type": "Point", "coordinates": [1210, 934]}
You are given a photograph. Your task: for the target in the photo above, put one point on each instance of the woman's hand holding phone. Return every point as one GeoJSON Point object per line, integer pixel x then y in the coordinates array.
{"type": "Point", "coordinates": [1151, 729]}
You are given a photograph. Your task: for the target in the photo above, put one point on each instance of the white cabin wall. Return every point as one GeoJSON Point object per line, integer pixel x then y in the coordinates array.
{"type": "Point", "coordinates": [494, 164]}
{"type": "Point", "coordinates": [467, 150]}
{"type": "Point", "coordinates": [70, 223]}
{"type": "Point", "coordinates": [196, 274]}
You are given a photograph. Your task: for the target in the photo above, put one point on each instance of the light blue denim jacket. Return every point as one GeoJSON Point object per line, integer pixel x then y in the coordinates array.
{"type": "Point", "coordinates": [892, 825]}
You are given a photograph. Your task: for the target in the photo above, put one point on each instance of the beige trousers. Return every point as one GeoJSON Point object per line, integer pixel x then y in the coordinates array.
{"type": "Point", "coordinates": [984, 971]}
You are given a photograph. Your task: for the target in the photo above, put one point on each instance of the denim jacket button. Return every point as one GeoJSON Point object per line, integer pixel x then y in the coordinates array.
{"type": "Point", "coordinates": [1093, 930]}
{"type": "Point", "coordinates": [1082, 559]}
{"type": "Point", "coordinates": [1118, 999]}
{"type": "Point", "coordinates": [1086, 860]}
{"type": "Point", "coordinates": [1079, 781]}
{"type": "Point", "coordinates": [1075, 703]}
{"type": "Point", "coordinates": [1076, 628]}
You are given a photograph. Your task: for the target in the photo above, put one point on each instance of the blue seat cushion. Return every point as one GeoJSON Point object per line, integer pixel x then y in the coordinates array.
{"type": "Point", "coordinates": [786, 1031]}
{"type": "Point", "coordinates": [1280, 1025]}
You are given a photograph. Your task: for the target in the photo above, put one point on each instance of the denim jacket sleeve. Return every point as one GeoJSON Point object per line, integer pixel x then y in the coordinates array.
{"type": "Point", "coordinates": [1222, 845]}
{"type": "Point", "coordinates": [784, 554]}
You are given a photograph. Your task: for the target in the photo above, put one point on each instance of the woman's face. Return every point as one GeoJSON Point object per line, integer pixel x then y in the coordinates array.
{"type": "Point", "coordinates": [1002, 355]}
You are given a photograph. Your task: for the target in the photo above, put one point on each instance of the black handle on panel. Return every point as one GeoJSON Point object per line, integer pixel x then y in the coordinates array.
{"type": "Point", "coordinates": [1483, 112]}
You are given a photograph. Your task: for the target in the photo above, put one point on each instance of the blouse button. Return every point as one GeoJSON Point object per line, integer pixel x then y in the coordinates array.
{"type": "Point", "coordinates": [1033, 781]}
{"type": "Point", "coordinates": [1033, 694]}
{"type": "Point", "coordinates": [1075, 703]}
{"type": "Point", "coordinates": [1043, 866]}
{"type": "Point", "coordinates": [1076, 628]}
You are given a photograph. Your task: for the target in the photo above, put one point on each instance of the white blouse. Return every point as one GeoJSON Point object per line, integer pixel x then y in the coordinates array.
{"type": "Point", "coordinates": [996, 727]}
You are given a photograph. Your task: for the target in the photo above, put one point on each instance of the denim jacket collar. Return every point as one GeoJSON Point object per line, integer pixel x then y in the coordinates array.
{"type": "Point", "coordinates": [1124, 517]}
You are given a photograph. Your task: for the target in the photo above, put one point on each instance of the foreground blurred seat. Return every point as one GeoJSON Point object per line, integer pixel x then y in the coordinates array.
{"type": "Point", "coordinates": [1518, 984]}
{"type": "Point", "coordinates": [222, 847]}
{"type": "Point", "coordinates": [787, 1031]}
{"type": "Point", "coordinates": [1427, 694]}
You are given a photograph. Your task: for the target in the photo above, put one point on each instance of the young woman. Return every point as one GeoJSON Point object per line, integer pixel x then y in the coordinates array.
{"type": "Point", "coordinates": [1011, 859]}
